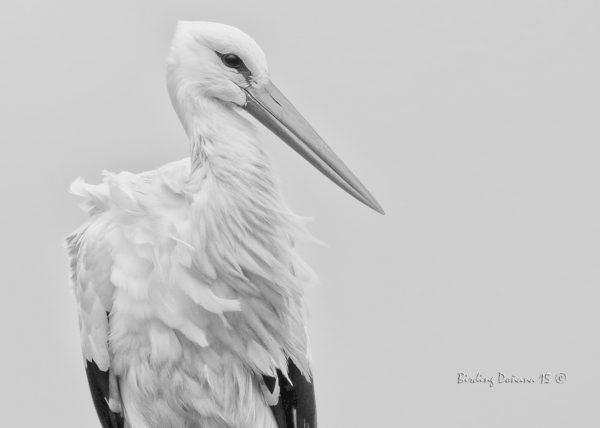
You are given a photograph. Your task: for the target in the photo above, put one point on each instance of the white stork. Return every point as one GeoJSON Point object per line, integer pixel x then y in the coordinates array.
{"type": "Point", "coordinates": [189, 289]}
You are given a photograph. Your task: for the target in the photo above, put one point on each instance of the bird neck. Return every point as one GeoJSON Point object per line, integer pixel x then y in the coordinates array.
{"type": "Point", "coordinates": [245, 233]}
{"type": "Point", "coordinates": [228, 166]}
{"type": "Point", "coordinates": [213, 127]}
{"type": "Point", "coordinates": [224, 142]}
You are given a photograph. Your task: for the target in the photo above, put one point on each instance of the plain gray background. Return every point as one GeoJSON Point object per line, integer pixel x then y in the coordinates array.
{"type": "Point", "coordinates": [475, 123]}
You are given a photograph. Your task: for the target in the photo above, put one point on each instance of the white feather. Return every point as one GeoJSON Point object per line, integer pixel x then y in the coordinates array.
{"type": "Point", "coordinates": [195, 263]}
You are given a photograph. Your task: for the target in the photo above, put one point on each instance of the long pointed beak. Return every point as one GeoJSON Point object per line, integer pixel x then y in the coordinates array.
{"type": "Point", "coordinates": [271, 108]}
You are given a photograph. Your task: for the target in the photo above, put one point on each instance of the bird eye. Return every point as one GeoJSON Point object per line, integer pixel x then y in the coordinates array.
{"type": "Point", "coordinates": [232, 61]}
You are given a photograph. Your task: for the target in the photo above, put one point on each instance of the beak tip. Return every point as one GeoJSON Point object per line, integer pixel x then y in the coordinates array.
{"type": "Point", "coordinates": [371, 202]}
{"type": "Point", "coordinates": [376, 207]}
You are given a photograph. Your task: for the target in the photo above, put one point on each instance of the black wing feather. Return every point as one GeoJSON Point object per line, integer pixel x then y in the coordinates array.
{"type": "Point", "coordinates": [98, 381]}
{"type": "Point", "coordinates": [296, 407]}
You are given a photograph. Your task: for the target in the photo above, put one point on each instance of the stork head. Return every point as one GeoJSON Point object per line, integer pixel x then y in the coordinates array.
{"type": "Point", "coordinates": [215, 61]}
{"type": "Point", "coordinates": [210, 62]}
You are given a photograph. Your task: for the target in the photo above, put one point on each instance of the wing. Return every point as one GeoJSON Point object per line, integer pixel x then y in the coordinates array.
{"type": "Point", "coordinates": [296, 406]}
{"type": "Point", "coordinates": [99, 382]}
{"type": "Point", "coordinates": [90, 271]}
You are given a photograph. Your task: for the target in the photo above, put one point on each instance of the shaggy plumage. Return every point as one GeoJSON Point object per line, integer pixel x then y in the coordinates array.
{"type": "Point", "coordinates": [204, 290]}
{"type": "Point", "coordinates": [187, 281]}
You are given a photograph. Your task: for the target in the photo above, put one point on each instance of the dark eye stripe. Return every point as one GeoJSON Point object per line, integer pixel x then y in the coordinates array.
{"type": "Point", "coordinates": [232, 61]}
{"type": "Point", "coordinates": [236, 63]}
